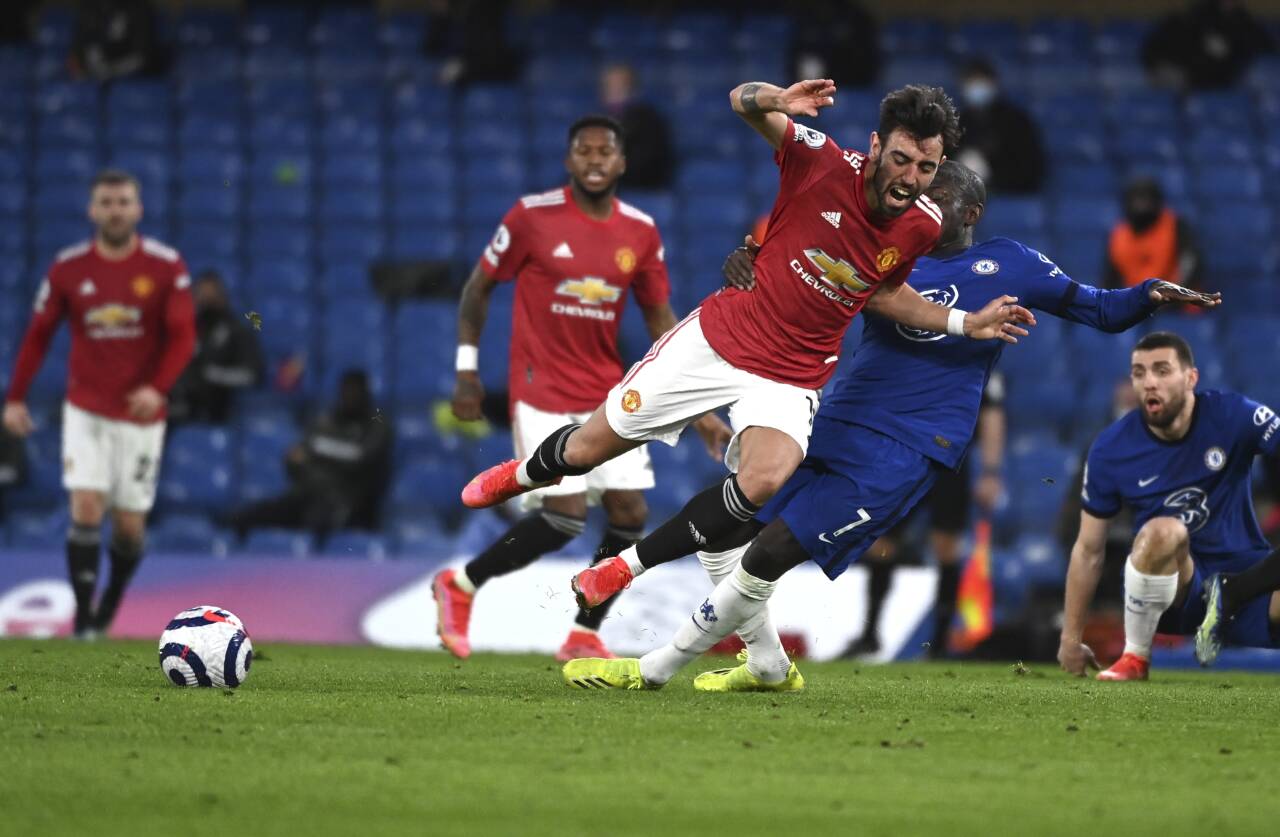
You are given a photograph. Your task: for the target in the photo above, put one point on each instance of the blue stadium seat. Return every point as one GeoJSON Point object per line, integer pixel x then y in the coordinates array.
{"type": "Point", "coordinates": [347, 133]}
{"type": "Point", "coordinates": [208, 243]}
{"type": "Point", "coordinates": [343, 280]}
{"type": "Point", "coordinates": [1245, 183]}
{"type": "Point", "coordinates": [287, 325]}
{"type": "Point", "coordinates": [278, 278]}
{"type": "Point", "coordinates": [273, 132]}
{"type": "Point", "coordinates": [213, 62]}
{"type": "Point", "coordinates": [352, 168]}
{"type": "Point", "coordinates": [279, 542]}
{"type": "Point", "coordinates": [209, 201]}
{"type": "Point", "coordinates": [227, 165]}
{"type": "Point", "coordinates": [277, 167]}
{"type": "Point", "coordinates": [1086, 214]}
{"type": "Point", "coordinates": [287, 242]}
{"type": "Point", "coordinates": [411, 241]}
{"type": "Point", "coordinates": [428, 483]}
{"type": "Point", "coordinates": [269, 203]}
{"type": "Point", "coordinates": [348, 204]}
{"type": "Point", "coordinates": [1224, 109]}
{"type": "Point", "coordinates": [1007, 215]}
{"type": "Point", "coordinates": [355, 544]}
{"type": "Point", "coordinates": [346, 242]}
{"type": "Point", "coordinates": [198, 130]}
{"type": "Point", "coordinates": [423, 205]}
{"type": "Point", "coordinates": [420, 535]}
{"type": "Point", "coordinates": [186, 533]}
{"type": "Point", "coordinates": [13, 198]}
{"type": "Point", "coordinates": [345, 28]}
{"type": "Point", "coordinates": [419, 135]}
{"type": "Point", "coordinates": [1156, 110]}
{"type": "Point", "coordinates": [153, 168]}
{"type": "Point", "coordinates": [1086, 180]}
{"type": "Point", "coordinates": [207, 27]}
{"type": "Point", "coordinates": [68, 97]}
{"type": "Point", "coordinates": [504, 173]}
{"type": "Point", "coordinates": [210, 96]}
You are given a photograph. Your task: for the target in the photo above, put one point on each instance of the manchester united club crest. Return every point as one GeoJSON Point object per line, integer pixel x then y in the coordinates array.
{"type": "Point", "coordinates": [630, 401]}
{"type": "Point", "coordinates": [626, 259]}
{"type": "Point", "coordinates": [888, 259]}
{"type": "Point", "coordinates": [142, 286]}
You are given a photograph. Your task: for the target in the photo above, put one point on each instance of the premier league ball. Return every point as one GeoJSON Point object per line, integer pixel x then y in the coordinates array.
{"type": "Point", "coordinates": [205, 646]}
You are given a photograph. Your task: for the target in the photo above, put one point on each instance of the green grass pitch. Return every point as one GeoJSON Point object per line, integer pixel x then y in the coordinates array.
{"type": "Point", "coordinates": [362, 741]}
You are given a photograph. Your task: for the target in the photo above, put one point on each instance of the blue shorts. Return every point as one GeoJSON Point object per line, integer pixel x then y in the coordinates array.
{"type": "Point", "coordinates": [1251, 627]}
{"type": "Point", "coordinates": [852, 487]}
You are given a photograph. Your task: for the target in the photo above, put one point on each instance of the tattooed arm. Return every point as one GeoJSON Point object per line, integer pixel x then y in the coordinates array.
{"type": "Point", "coordinates": [766, 107]}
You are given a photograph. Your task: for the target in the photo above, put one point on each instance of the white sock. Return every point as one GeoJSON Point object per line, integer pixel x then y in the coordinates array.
{"type": "Point", "coordinates": [522, 475]}
{"type": "Point", "coordinates": [464, 582]}
{"type": "Point", "coordinates": [1145, 598]}
{"type": "Point", "coordinates": [633, 560]}
{"type": "Point", "coordinates": [766, 658]}
{"type": "Point", "coordinates": [735, 602]}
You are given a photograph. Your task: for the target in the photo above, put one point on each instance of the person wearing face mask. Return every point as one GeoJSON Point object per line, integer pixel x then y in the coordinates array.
{"type": "Point", "coordinates": [227, 359]}
{"type": "Point", "coordinates": [1151, 240]}
{"type": "Point", "coordinates": [651, 161]}
{"type": "Point", "coordinates": [338, 473]}
{"type": "Point", "coordinates": [1000, 142]}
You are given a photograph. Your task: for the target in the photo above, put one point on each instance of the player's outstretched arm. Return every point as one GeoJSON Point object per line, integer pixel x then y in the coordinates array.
{"type": "Point", "coordinates": [766, 107]}
{"type": "Point", "coordinates": [1082, 580]}
{"type": "Point", "coordinates": [1000, 318]}
{"type": "Point", "coordinates": [473, 310]}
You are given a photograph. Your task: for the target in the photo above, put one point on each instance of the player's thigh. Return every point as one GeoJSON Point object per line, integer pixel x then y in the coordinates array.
{"type": "Point", "coordinates": [678, 381]}
{"type": "Point", "coordinates": [781, 409]}
{"type": "Point", "coordinates": [529, 426]}
{"type": "Point", "coordinates": [767, 457]}
{"type": "Point", "coordinates": [86, 453]}
{"type": "Point", "coordinates": [136, 466]}
{"type": "Point", "coordinates": [837, 516]}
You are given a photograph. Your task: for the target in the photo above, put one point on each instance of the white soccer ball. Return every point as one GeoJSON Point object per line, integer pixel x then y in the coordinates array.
{"type": "Point", "coordinates": [205, 646]}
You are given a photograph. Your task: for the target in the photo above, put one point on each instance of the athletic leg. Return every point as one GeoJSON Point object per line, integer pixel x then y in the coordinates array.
{"type": "Point", "coordinates": [128, 535]}
{"type": "Point", "coordinates": [84, 541]}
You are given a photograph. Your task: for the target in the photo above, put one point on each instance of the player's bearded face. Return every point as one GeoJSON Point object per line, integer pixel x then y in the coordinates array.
{"type": "Point", "coordinates": [595, 160]}
{"type": "Point", "coordinates": [904, 168]}
{"type": "Point", "coordinates": [1162, 385]}
{"type": "Point", "coordinates": [115, 211]}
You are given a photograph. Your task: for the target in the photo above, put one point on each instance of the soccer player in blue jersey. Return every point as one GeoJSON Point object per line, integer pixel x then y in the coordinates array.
{"type": "Point", "coordinates": [1181, 461]}
{"type": "Point", "coordinates": [904, 412]}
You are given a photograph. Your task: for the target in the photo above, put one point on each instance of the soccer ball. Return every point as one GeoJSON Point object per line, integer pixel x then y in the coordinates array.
{"type": "Point", "coordinates": [205, 646]}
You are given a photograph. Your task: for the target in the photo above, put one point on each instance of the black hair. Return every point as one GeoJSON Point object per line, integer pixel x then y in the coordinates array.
{"type": "Point", "coordinates": [1144, 186]}
{"type": "Point", "coordinates": [963, 181]}
{"type": "Point", "coordinates": [1167, 340]}
{"type": "Point", "coordinates": [922, 112]}
{"type": "Point", "coordinates": [114, 177]}
{"type": "Point", "coordinates": [598, 120]}
{"type": "Point", "coordinates": [978, 67]}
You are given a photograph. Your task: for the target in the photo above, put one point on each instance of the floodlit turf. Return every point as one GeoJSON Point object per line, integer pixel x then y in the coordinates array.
{"type": "Point", "coordinates": [362, 741]}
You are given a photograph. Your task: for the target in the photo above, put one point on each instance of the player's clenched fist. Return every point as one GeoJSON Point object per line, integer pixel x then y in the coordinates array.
{"type": "Point", "coordinates": [468, 394]}
{"type": "Point", "coordinates": [1076, 658]}
{"type": "Point", "coordinates": [17, 420]}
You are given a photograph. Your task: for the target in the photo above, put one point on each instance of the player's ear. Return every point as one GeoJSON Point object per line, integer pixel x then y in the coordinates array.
{"type": "Point", "coordinates": [1193, 377]}
{"type": "Point", "coordinates": [873, 146]}
{"type": "Point", "coordinates": [973, 214]}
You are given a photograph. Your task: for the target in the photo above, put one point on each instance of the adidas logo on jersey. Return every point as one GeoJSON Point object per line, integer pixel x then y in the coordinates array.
{"type": "Point", "coordinates": [563, 251]}
{"type": "Point", "coordinates": [87, 288]}
{"type": "Point", "coordinates": [832, 218]}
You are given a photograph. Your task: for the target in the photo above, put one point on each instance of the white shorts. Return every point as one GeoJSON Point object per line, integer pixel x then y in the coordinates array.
{"type": "Point", "coordinates": [630, 472]}
{"type": "Point", "coordinates": [117, 458]}
{"type": "Point", "coordinates": [682, 378]}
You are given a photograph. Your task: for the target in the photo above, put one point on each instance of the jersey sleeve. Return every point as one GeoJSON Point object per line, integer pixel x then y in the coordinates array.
{"type": "Point", "coordinates": [179, 330]}
{"type": "Point", "coordinates": [805, 154]}
{"type": "Point", "coordinates": [1261, 426]}
{"type": "Point", "coordinates": [652, 285]}
{"type": "Point", "coordinates": [47, 312]}
{"type": "Point", "coordinates": [1098, 493]}
{"type": "Point", "coordinates": [509, 248]}
{"type": "Point", "coordinates": [1045, 287]}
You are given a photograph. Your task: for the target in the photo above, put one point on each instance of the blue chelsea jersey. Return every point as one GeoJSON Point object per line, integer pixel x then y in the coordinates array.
{"type": "Point", "coordinates": [924, 389]}
{"type": "Point", "coordinates": [1203, 479]}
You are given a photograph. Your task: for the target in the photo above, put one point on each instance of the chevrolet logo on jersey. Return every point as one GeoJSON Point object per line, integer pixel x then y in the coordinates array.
{"type": "Point", "coordinates": [591, 291]}
{"type": "Point", "coordinates": [838, 274]}
{"type": "Point", "coordinates": [113, 320]}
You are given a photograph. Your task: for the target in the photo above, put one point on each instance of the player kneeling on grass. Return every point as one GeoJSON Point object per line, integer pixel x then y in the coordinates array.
{"type": "Point", "coordinates": [903, 414]}
{"type": "Point", "coordinates": [1182, 462]}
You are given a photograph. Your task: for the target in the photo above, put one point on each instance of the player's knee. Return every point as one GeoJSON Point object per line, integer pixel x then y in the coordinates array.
{"type": "Point", "coordinates": [127, 546]}
{"type": "Point", "coordinates": [761, 483]}
{"type": "Point", "coordinates": [1160, 541]}
{"type": "Point", "coordinates": [774, 551]}
{"type": "Point", "coordinates": [87, 508]}
{"type": "Point", "coordinates": [626, 509]}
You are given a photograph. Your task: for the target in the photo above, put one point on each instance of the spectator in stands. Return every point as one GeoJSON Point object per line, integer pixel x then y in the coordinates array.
{"type": "Point", "coordinates": [471, 37]}
{"type": "Point", "coordinates": [650, 159]}
{"type": "Point", "coordinates": [1000, 141]}
{"type": "Point", "coordinates": [227, 357]}
{"type": "Point", "coordinates": [838, 40]}
{"type": "Point", "coordinates": [338, 473]}
{"type": "Point", "coordinates": [1210, 45]}
{"type": "Point", "coordinates": [1151, 240]}
{"type": "Point", "coordinates": [115, 39]}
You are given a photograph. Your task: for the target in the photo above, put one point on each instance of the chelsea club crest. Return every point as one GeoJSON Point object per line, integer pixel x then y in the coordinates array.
{"type": "Point", "coordinates": [1214, 459]}
{"type": "Point", "coordinates": [985, 267]}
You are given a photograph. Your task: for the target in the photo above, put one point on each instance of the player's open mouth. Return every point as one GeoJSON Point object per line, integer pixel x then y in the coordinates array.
{"type": "Point", "coordinates": [594, 178]}
{"type": "Point", "coordinates": [900, 194]}
{"type": "Point", "coordinates": [1153, 405]}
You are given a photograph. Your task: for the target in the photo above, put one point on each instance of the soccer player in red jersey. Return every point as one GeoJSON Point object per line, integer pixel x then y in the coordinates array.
{"type": "Point", "coordinates": [128, 302]}
{"type": "Point", "coordinates": [845, 225]}
{"type": "Point", "coordinates": [575, 252]}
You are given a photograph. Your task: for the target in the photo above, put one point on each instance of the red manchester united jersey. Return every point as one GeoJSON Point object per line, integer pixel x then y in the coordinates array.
{"type": "Point", "coordinates": [824, 254]}
{"type": "Point", "coordinates": [132, 323]}
{"type": "Point", "coordinates": [573, 275]}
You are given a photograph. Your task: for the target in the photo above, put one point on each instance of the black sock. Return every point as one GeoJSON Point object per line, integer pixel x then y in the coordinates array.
{"type": "Point", "coordinates": [125, 558]}
{"type": "Point", "coordinates": [710, 515]}
{"type": "Point", "coordinates": [547, 461]}
{"type": "Point", "coordinates": [944, 606]}
{"type": "Point", "coordinates": [877, 591]}
{"type": "Point", "coordinates": [614, 541]}
{"type": "Point", "coordinates": [522, 544]}
{"type": "Point", "coordinates": [83, 543]}
{"type": "Point", "coordinates": [1263, 577]}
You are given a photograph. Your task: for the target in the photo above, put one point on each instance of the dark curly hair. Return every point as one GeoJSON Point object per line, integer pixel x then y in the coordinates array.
{"type": "Point", "coordinates": [961, 180]}
{"type": "Point", "coordinates": [922, 112]}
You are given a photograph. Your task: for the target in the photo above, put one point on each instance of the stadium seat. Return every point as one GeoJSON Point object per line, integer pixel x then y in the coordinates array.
{"type": "Point", "coordinates": [278, 542]}
{"type": "Point", "coordinates": [352, 241]}
{"type": "Point", "coordinates": [281, 242]}
{"type": "Point", "coordinates": [270, 203]}
{"type": "Point", "coordinates": [198, 130]}
{"type": "Point", "coordinates": [355, 544]}
{"type": "Point", "coordinates": [186, 533]}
